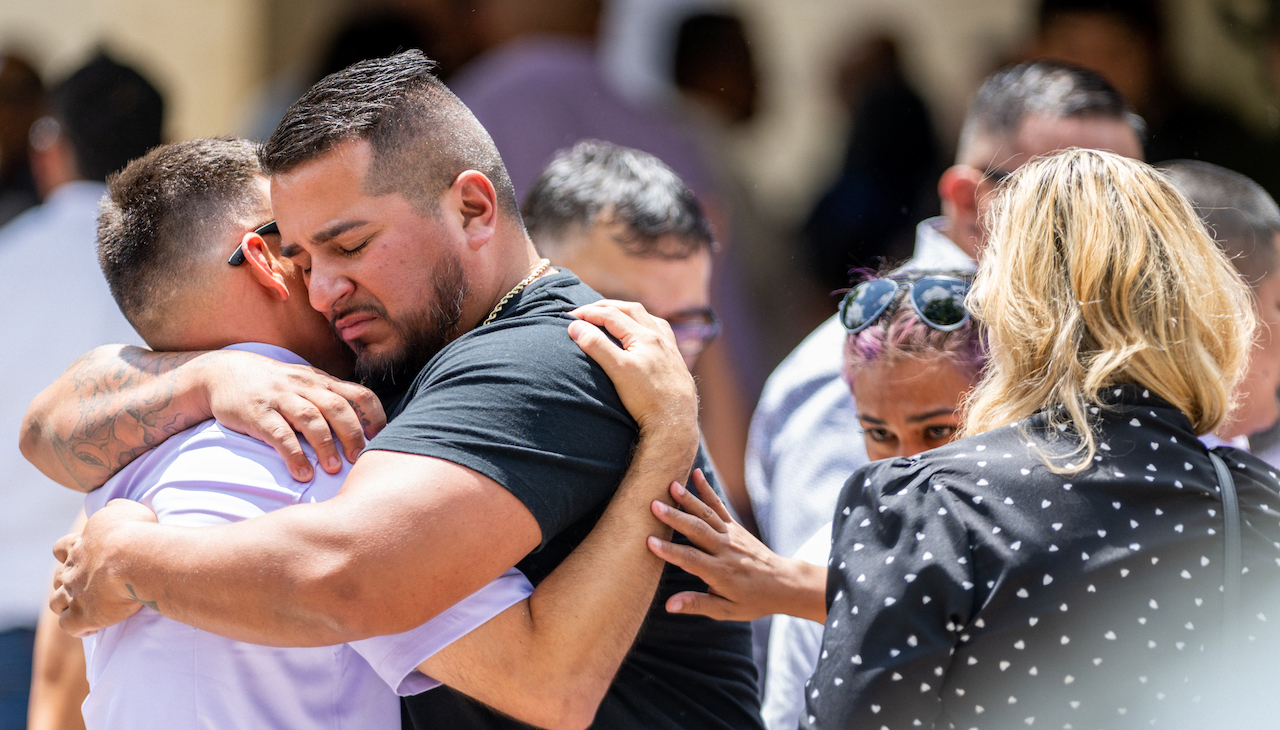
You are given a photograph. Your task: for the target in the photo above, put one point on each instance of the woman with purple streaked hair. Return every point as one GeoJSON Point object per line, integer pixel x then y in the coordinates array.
{"type": "Point", "coordinates": [912, 355]}
{"type": "Point", "coordinates": [908, 375]}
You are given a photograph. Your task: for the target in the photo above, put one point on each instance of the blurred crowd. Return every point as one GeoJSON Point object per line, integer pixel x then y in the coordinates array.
{"type": "Point", "coordinates": [532, 74]}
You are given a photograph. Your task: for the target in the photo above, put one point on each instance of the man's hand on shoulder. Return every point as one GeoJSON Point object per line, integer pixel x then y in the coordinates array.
{"type": "Point", "coordinates": [89, 593]}
{"type": "Point", "coordinates": [647, 370]}
{"type": "Point", "coordinates": [274, 401]}
{"type": "Point", "coordinates": [116, 403]}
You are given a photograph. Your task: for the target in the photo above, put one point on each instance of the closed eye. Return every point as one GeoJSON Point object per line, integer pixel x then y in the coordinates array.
{"type": "Point", "coordinates": [357, 249]}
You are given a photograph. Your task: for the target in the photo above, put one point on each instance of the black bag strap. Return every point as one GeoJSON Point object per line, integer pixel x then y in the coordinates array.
{"type": "Point", "coordinates": [1233, 564]}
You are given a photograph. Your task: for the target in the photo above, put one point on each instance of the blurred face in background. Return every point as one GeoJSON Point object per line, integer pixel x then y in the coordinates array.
{"type": "Point", "coordinates": [677, 289]}
{"type": "Point", "coordinates": [1258, 408]}
{"type": "Point", "coordinates": [1104, 43]}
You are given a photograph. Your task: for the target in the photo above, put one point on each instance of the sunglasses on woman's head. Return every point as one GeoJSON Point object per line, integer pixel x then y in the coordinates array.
{"type": "Point", "coordinates": [938, 300]}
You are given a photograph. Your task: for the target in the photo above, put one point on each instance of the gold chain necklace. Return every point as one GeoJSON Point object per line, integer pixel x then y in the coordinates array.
{"type": "Point", "coordinates": [542, 266]}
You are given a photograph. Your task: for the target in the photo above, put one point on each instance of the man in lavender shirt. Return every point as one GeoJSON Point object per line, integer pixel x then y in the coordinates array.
{"type": "Point", "coordinates": [172, 218]}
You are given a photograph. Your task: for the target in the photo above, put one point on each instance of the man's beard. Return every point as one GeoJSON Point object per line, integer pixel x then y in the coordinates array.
{"type": "Point", "coordinates": [419, 334]}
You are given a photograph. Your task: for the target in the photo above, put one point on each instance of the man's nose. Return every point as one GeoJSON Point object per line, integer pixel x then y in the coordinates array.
{"type": "Point", "coordinates": [327, 288]}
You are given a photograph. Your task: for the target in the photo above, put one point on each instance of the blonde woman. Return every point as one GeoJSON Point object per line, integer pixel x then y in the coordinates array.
{"type": "Point", "coordinates": [1063, 565]}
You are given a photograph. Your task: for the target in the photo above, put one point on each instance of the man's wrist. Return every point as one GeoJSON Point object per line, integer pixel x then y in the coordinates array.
{"type": "Point", "coordinates": [119, 549]}
{"type": "Point", "coordinates": [197, 380]}
{"type": "Point", "coordinates": [674, 444]}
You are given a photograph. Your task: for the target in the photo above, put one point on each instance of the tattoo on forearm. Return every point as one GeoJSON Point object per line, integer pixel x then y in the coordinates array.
{"type": "Point", "coordinates": [149, 604]}
{"type": "Point", "coordinates": [125, 408]}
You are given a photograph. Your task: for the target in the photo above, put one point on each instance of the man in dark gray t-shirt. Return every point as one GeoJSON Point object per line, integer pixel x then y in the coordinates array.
{"type": "Point", "coordinates": [504, 450]}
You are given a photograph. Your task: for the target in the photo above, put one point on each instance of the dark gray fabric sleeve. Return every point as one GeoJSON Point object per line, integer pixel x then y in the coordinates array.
{"type": "Point", "coordinates": [520, 403]}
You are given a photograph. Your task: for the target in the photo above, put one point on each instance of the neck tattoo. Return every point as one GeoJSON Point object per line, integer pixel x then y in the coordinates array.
{"type": "Point", "coordinates": [526, 281]}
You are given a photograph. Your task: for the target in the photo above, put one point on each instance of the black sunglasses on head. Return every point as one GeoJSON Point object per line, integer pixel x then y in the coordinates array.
{"type": "Point", "coordinates": [237, 257]}
{"type": "Point", "coordinates": [938, 300]}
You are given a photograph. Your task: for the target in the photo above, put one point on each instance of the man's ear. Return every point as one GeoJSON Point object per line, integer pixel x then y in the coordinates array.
{"type": "Point", "coordinates": [263, 266]}
{"type": "Point", "coordinates": [477, 201]}
{"type": "Point", "coordinates": [959, 188]}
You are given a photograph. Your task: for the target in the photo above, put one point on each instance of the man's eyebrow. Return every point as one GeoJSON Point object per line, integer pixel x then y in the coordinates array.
{"type": "Point", "coordinates": [337, 229]}
{"type": "Point", "coordinates": [870, 419]}
{"type": "Point", "coordinates": [931, 414]}
{"type": "Point", "coordinates": [289, 250]}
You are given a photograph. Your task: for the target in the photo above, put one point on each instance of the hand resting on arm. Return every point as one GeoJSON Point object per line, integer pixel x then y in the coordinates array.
{"type": "Point", "coordinates": [746, 579]}
{"type": "Point", "coordinates": [549, 660]}
{"type": "Point", "coordinates": [116, 402]}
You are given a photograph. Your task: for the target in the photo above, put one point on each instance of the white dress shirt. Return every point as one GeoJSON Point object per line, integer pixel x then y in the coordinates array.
{"type": "Point", "coordinates": [59, 307]}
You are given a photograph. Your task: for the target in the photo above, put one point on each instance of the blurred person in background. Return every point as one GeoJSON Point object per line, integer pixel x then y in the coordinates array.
{"type": "Point", "coordinates": [373, 33]}
{"type": "Point", "coordinates": [868, 214]}
{"type": "Point", "coordinates": [1126, 42]}
{"type": "Point", "coordinates": [99, 118]}
{"type": "Point", "coordinates": [538, 89]}
{"type": "Point", "coordinates": [714, 66]}
{"type": "Point", "coordinates": [799, 456]}
{"type": "Point", "coordinates": [1245, 222]}
{"type": "Point", "coordinates": [21, 103]}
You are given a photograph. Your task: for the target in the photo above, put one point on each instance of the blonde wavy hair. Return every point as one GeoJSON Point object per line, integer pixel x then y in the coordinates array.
{"type": "Point", "coordinates": [1098, 272]}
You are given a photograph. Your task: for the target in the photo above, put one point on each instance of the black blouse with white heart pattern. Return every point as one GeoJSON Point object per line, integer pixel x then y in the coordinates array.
{"type": "Point", "coordinates": [973, 587]}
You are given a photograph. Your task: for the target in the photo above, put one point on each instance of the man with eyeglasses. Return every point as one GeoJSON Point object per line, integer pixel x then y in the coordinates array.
{"type": "Point", "coordinates": [631, 229]}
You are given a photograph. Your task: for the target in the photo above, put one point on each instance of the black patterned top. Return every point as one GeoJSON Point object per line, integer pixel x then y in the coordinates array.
{"type": "Point", "coordinates": [972, 587]}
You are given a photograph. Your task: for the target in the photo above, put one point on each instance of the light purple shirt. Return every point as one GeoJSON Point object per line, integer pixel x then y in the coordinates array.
{"type": "Point", "coordinates": [153, 672]}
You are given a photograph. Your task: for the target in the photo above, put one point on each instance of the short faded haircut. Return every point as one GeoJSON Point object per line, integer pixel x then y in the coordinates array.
{"type": "Point", "coordinates": [598, 182]}
{"type": "Point", "coordinates": [1240, 215]}
{"type": "Point", "coordinates": [422, 135]}
{"type": "Point", "coordinates": [1050, 88]}
{"type": "Point", "coordinates": [163, 215]}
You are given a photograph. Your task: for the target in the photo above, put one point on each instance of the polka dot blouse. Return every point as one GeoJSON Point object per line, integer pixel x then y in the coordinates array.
{"type": "Point", "coordinates": [972, 587]}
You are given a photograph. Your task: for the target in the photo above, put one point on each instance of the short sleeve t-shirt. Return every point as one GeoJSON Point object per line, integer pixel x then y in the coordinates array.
{"type": "Point", "coordinates": [520, 403]}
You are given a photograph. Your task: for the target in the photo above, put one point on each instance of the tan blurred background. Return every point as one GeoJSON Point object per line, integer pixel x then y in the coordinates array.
{"type": "Point", "coordinates": [213, 59]}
